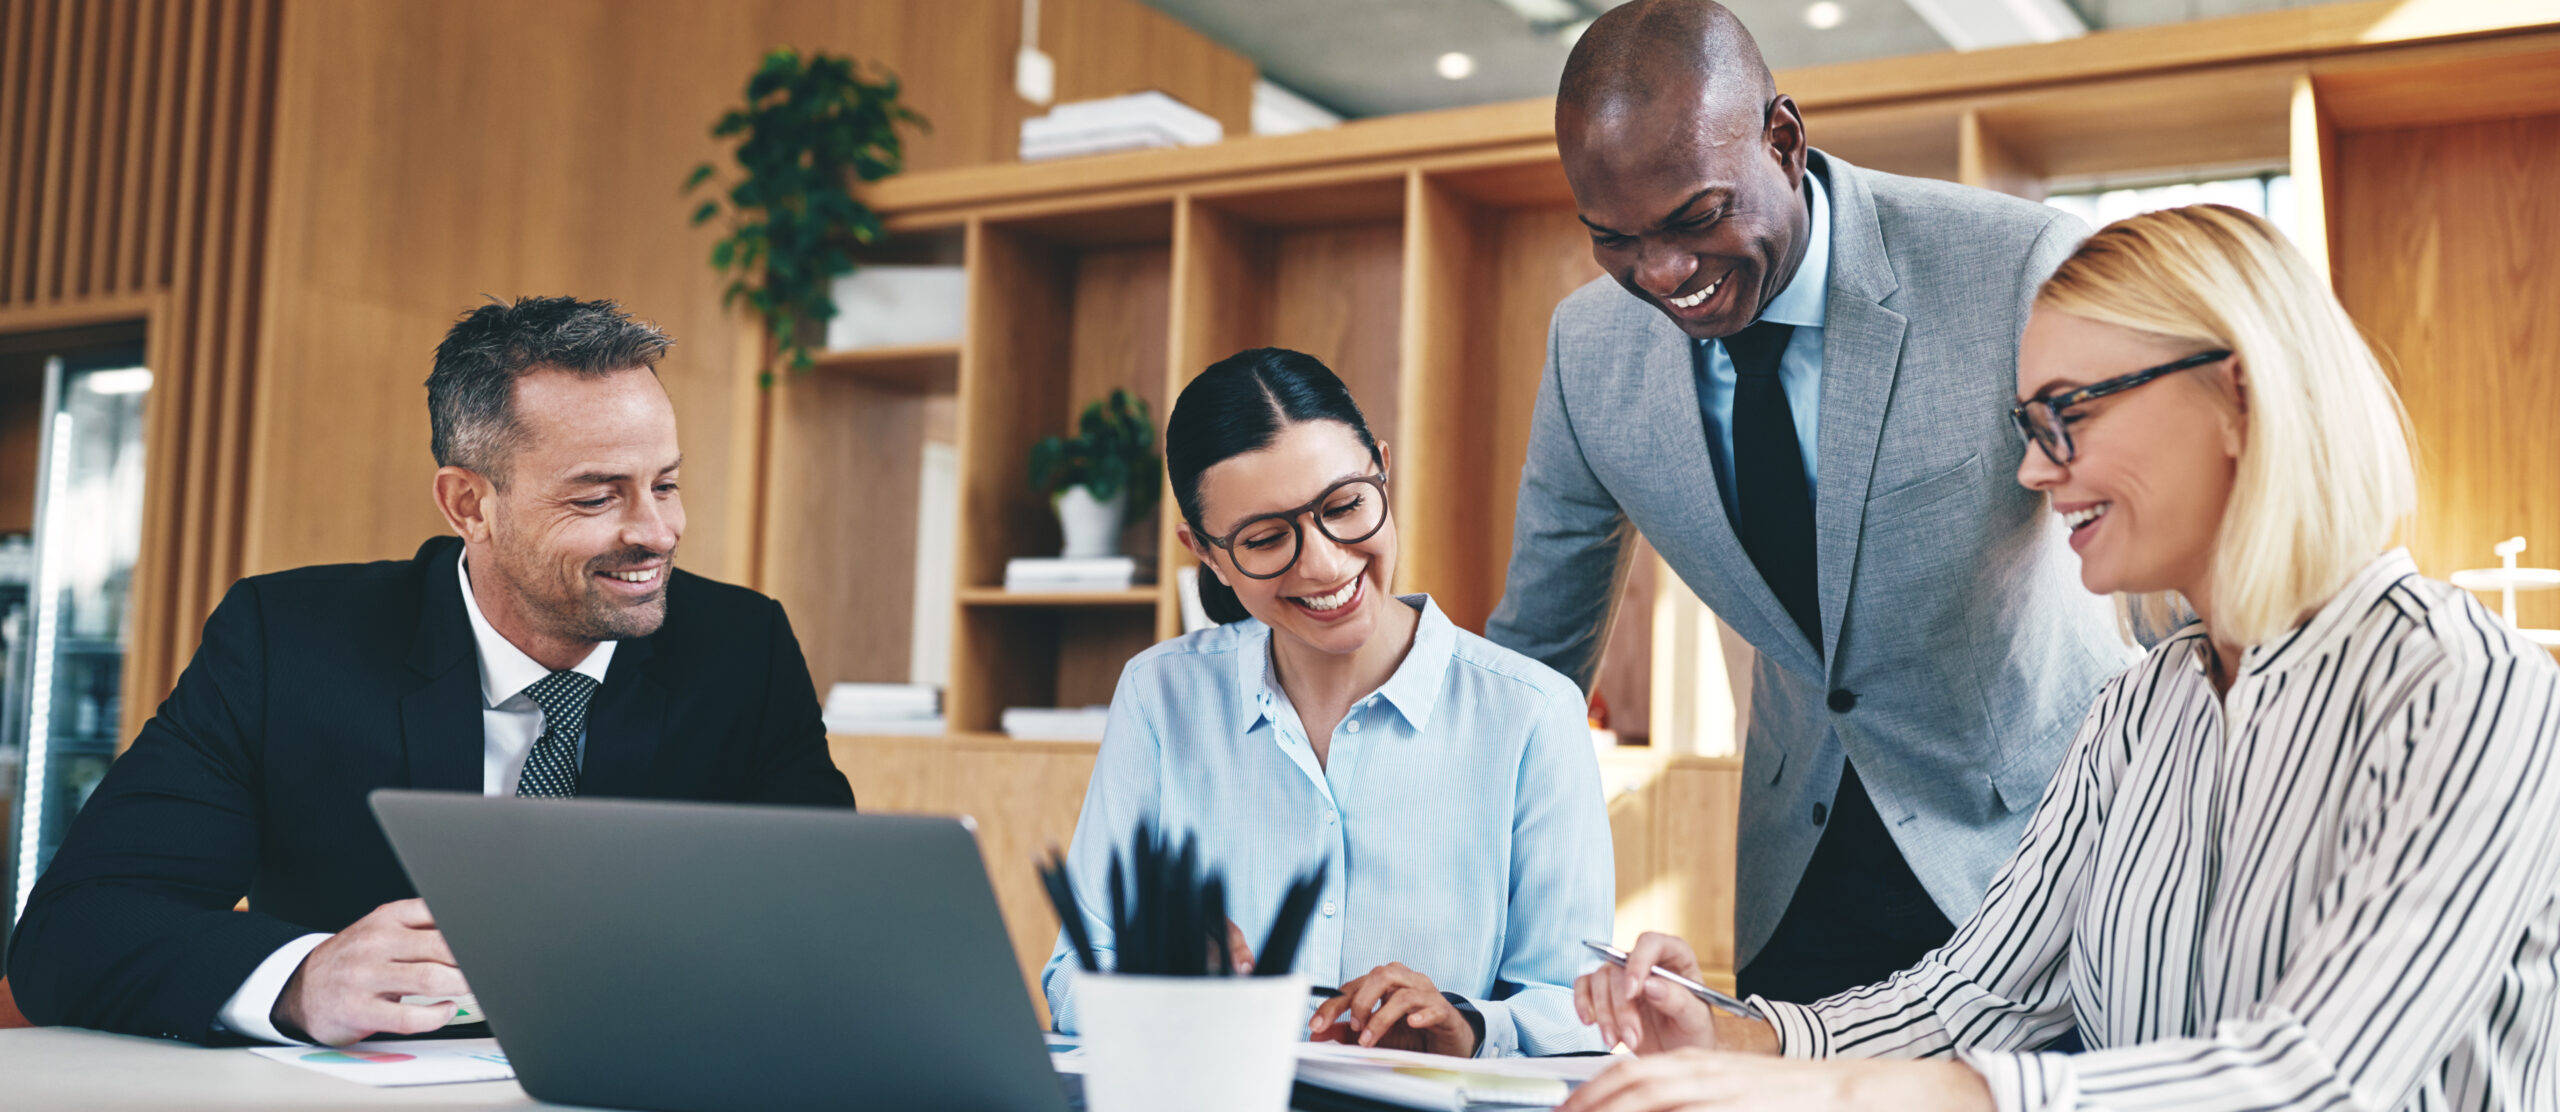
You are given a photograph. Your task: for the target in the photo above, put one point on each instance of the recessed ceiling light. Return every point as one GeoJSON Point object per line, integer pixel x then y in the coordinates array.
{"type": "Point", "coordinates": [1823, 15]}
{"type": "Point", "coordinates": [1456, 66]}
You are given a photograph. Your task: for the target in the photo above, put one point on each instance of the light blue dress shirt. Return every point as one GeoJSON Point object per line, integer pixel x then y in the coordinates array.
{"type": "Point", "coordinates": [1459, 815]}
{"type": "Point", "coordinates": [1802, 304]}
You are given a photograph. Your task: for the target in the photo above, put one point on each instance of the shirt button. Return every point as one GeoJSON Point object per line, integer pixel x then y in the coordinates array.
{"type": "Point", "coordinates": [1353, 726]}
{"type": "Point", "coordinates": [1330, 817]}
{"type": "Point", "coordinates": [1842, 699]}
{"type": "Point", "coordinates": [1820, 813]}
{"type": "Point", "coordinates": [1328, 909]}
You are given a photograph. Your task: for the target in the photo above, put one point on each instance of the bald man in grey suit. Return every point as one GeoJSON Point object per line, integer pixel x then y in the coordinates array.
{"type": "Point", "coordinates": [1795, 381]}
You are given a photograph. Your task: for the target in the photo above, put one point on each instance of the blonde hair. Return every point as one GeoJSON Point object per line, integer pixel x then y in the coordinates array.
{"type": "Point", "coordinates": [2324, 471]}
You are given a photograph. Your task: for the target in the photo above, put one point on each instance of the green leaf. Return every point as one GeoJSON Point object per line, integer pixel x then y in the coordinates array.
{"type": "Point", "coordinates": [704, 214]}
{"type": "Point", "coordinates": [722, 252]}
{"type": "Point", "coordinates": [699, 175]}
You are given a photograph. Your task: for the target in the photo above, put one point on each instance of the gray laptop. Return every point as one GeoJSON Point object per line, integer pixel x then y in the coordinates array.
{"type": "Point", "coordinates": [701, 956]}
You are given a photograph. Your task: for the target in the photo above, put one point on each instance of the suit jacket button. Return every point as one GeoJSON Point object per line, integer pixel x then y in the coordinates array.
{"type": "Point", "coordinates": [1820, 813]}
{"type": "Point", "coordinates": [1842, 699]}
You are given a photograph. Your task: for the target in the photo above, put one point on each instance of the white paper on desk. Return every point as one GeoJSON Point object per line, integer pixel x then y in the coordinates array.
{"type": "Point", "coordinates": [388, 1062]}
{"type": "Point", "coordinates": [1432, 1081]}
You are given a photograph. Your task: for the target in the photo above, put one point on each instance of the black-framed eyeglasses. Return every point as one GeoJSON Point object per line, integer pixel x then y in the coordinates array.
{"type": "Point", "coordinates": [1266, 546]}
{"type": "Point", "coordinates": [2042, 423]}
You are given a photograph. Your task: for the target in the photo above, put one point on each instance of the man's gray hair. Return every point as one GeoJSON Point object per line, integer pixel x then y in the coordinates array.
{"type": "Point", "coordinates": [471, 392]}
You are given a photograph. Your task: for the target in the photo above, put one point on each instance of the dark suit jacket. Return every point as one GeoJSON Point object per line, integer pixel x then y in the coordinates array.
{"type": "Point", "coordinates": [312, 688]}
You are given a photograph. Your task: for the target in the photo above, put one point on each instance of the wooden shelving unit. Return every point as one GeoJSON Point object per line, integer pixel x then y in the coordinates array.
{"type": "Point", "coordinates": [1420, 257]}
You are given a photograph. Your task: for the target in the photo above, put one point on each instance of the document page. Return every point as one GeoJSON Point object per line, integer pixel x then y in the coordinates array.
{"type": "Point", "coordinates": [411, 1062]}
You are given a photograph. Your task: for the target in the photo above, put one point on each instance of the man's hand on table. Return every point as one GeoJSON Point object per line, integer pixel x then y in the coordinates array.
{"type": "Point", "coordinates": [350, 986]}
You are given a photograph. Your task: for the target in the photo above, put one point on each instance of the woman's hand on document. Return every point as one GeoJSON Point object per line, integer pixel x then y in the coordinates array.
{"type": "Point", "coordinates": [1648, 1013]}
{"type": "Point", "coordinates": [1394, 1007]}
{"type": "Point", "coordinates": [1692, 1080]}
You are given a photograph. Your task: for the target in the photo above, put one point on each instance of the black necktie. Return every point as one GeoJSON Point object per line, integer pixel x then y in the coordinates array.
{"type": "Point", "coordinates": [551, 770]}
{"type": "Point", "coordinates": [1768, 475]}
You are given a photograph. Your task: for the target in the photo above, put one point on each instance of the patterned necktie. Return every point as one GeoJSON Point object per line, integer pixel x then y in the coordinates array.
{"type": "Point", "coordinates": [551, 770]}
{"type": "Point", "coordinates": [1768, 480]}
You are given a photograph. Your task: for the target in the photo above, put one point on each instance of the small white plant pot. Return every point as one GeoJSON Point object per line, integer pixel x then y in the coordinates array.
{"type": "Point", "coordinates": [1184, 1044]}
{"type": "Point", "coordinates": [1092, 526]}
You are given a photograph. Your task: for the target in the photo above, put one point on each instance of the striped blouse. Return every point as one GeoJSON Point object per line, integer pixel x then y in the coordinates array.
{"type": "Point", "coordinates": [2337, 887]}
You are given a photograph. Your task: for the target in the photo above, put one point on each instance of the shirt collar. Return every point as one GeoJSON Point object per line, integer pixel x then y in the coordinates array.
{"type": "Point", "coordinates": [2335, 618]}
{"type": "Point", "coordinates": [1414, 689]}
{"type": "Point", "coordinates": [1808, 295]}
{"type": "Point", "coordinates": [505, 670]}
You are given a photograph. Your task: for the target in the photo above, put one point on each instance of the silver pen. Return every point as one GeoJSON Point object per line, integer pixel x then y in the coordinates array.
{"type": "Point", "coordinates": [1714, 999]}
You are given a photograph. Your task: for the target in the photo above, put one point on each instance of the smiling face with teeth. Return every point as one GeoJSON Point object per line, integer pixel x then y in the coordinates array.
{"type": "Point", "coordinates": [577, 546]}
{"type": "Point", "coordinates": [2154, 467]}
{"type": "Point", "coordinates": [1331, 598]}
{"type": "Point", "coordinates": [1693, 192]}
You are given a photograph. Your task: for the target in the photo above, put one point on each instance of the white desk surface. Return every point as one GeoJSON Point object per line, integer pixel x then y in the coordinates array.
{"type": "Point", "coordinates": [56, 1069]}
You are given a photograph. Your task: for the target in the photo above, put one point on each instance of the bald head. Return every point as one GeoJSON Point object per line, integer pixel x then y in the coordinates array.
{"type": "Point", "coordinates": [1638, 54]}
{"type": "Point", "coordinates": [1686, 163]}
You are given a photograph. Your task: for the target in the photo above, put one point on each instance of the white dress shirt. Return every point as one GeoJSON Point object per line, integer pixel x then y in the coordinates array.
{"type": "Point", "coordinates": [2332, 887]}
{"type": "Point", "coordinates": [510, 724]}
{"type": "Point", "coordinates": [1806, 304]}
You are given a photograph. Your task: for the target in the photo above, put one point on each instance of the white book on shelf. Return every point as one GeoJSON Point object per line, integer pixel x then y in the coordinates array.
{"type": "Point", "coordinates": [1056, 723]}
{"type": "Point", "coordinates": [884, 700]}
{"type": "Point", "coordinates": [1112, 142]}
{"type": "Point", "coordinates": [892, 305]}
{"type": "Point", "coordinates": [886, 727]}
{"type": "Point", "coordinates": [1153, 107]}
{"type": "Point", "coordinates": [1056, 573]}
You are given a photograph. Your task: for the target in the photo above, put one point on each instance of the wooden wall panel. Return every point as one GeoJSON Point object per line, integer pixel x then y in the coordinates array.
{"type": "Point", "coordinates": [134, 142]}
{"type": "Point", "coordinates": [435, 151]}
{"type": "Point", "coordinates": [2443, 238]}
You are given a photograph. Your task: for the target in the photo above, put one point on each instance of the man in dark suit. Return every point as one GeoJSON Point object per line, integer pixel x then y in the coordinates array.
{"type": "Point", "coordinates": [552, 650]}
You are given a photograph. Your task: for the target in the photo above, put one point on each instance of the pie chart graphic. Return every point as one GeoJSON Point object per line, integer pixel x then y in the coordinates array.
{"type": "Point", "coordinates": [357, 1057]}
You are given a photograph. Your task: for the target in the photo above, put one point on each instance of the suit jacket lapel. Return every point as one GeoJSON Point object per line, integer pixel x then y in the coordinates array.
{"type": "Point", "coordinates": [1861, 355]}
{"type": "Point", "coordinates": [442, 735]}
{"type": "Point", "coordinates": [1735, 591]}
{"type": "Point", "coordinates": [624, 722]}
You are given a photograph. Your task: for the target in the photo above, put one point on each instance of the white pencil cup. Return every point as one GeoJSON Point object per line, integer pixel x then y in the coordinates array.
{"type": "Point", "coordinates": [1182, 1044]}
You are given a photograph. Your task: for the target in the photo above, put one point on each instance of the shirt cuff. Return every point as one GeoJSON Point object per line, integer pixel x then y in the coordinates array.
{"type": "Point", "coordinates": [1800, 1032]}
{"type": "Point", "coordinates": [251, 1010]}
{"type": "Point", "coordinates": [2025, 1082]}
{"type": "Point", "coordinates": [1501, 1030]}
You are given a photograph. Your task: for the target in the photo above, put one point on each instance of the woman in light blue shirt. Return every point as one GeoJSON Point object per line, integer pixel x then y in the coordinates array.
{"type": "Point", "coordinates": [1447, 784]}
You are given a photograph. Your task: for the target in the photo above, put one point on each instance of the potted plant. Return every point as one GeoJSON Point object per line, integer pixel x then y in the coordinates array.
{"type": "Point", "coordinates": [1104, 475]}
{"type": "Point", "coordinates": [811, 130]}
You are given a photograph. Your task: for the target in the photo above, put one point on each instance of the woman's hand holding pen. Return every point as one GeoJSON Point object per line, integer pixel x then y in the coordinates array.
{"type": "Point", "coordinates": [1397, 1008]}
{"type": "Point", "coordinates": [1651, 1015]}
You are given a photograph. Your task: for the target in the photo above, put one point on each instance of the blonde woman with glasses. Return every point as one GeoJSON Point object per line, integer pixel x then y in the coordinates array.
{"type": "Point", "coordinates": [2305, 855]}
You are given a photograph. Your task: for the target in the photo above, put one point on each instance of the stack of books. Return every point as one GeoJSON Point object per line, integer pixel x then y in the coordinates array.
{"type": "Point", "coordinates": [1056, 723]}
{"type": "Point", "coordinates": [884, 708]}
{"type": "Point", "coordinates": [1047, 574]}
{"type": "Point", "coordinates": [1138, 121]}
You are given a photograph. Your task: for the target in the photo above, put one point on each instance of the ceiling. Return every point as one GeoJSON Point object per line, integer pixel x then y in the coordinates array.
{"type": "Point", "coordinates": [1374, 57]}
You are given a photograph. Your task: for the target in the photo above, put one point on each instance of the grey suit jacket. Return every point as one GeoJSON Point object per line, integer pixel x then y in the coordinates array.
{"type": "Point", "coordinates": [1950, 599]}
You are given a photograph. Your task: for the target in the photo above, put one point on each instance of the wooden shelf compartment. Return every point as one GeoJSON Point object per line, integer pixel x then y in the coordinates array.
{"type": "Point", "coordinates": [1314, 269]}
{"type": "Point", "coordinates": [1062, 311]}
{"type": "Point", "coordinates": [1039, 656]}
{"type": "Point", "coordinates": [1490, 253]}
{"type": "Point", "coordinates": [2228, 122]}
{"type": "Point", "coordinates": [841, 510]}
